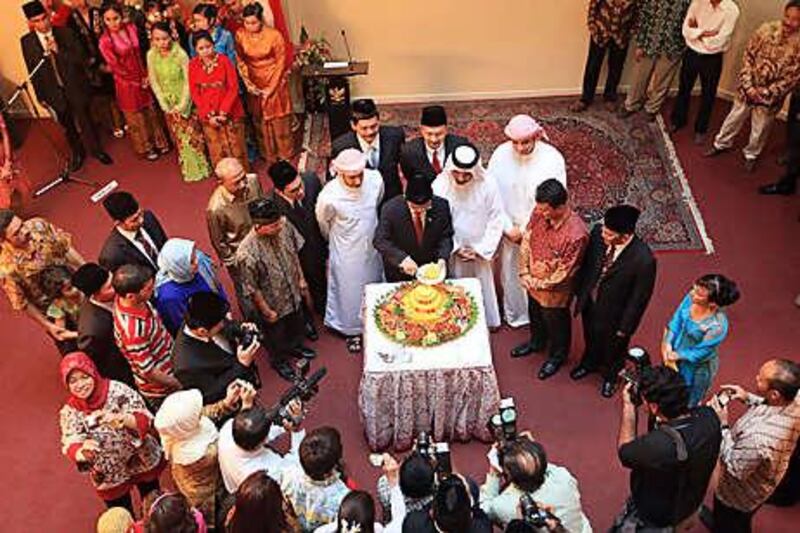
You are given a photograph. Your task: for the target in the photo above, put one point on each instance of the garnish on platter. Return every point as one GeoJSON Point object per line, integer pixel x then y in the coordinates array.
{"type": "Point", "coordinates": [417, 314]}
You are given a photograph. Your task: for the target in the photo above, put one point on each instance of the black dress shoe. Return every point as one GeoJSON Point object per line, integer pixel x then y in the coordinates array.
{"type": "Point", "coordinates": [305, 352]}
{"type": "Point", "coordinates": [285, 371]}
{"type": "Point", "coordinates": [778, 188]}
{"type": "Point", "coordinates": [527, 348]}
{"type": "Point", "coordinates": [608, 389]}
{"type": "Point", "coordinates": [549, 368]}
{"type": "Point", "coordinates": [103, 157]}
{"type": "Point", "coordinates": [311, 332]}
{"type": "Point", "coordinates": [579, 372]}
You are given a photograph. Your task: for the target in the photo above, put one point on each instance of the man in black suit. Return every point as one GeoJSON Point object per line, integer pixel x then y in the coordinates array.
{"type": "Point", "coordinates": [616, 282]}
{"type": "Point", "coordinates": [204, 357]}
{"type": "Point", "coordinates": [96, 323]}
{"type": "Point", "coordinates": [381, 144]}
{"type": "Point", "coordinates": [137, 236]}
{"type": "Point", "coordinates": [428, 153]}
{"type": "Point", "coordinates": [61, 84]}
{"type": "Point", "coordinates": [296, 198]}
{"type": "Point", "coordinates": [414, 230]}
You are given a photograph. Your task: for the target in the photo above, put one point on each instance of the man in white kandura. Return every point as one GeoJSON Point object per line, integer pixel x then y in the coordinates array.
{"type": "Point", "coordinates": [518, 166]}
{"type": "Point", "coordinates": [347, 212]}
{"type": "Point", "coordinates": [478, 221]}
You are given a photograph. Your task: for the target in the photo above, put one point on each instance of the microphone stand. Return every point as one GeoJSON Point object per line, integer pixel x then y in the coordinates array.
{"type": "Point", "coordinates": [64, 176]}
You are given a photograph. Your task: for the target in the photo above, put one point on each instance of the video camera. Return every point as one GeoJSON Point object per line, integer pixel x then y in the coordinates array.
{"type": "Point", "coordinates": [241, 335]}
{"type": "Point", "coordinates": [503, 424]}
{"type": "Point", "coordinates": [636, 360]}
{"type": "Point", "coordinates": [304, 389]}
{"type": "Point", "coordinates": [532, 514]}
{"type": "Point", "coordinates": [436, 453]}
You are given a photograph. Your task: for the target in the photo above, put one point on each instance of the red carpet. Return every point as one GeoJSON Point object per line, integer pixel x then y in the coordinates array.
{"type": "Point", "coordinates": [756, 243]}
{"type": "Point", "coordinates": [609, 160]}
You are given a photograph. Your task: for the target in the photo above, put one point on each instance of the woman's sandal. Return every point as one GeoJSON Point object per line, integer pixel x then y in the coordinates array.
{"type": "Point", "coordinates": [354, 344]}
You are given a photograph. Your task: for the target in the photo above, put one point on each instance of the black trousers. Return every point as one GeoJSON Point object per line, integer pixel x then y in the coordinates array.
{"type": "Point", "coordinates": [708, 68]}
{"type": "Point", "coordinates": [604, 350]}
{"type": "Point", "coordinates": [284, 337]}
{"type": "Point", "coordinates": [125, 501]}
{"type": "Point", "coordinates": [86, 139]}
{"type": "Point", "coordinates": [594, 62]}
{"type": "Point", "coordinates": [553, 326]}
{"type": "Point", "coordinates": [793, 141]}
{"type": "Point", "coordinates": [730, 520]}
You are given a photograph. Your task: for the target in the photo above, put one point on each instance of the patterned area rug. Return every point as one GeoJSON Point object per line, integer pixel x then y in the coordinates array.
{"type": "Point", "coordinates": [609, 160]}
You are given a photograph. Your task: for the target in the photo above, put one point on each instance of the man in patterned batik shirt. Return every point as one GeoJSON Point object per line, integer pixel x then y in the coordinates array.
{"type": "Point", "coordinates": [770, 71]}
{"type": "Point", "coordinates": [659, 48]}
{"type": "Point", "coordinates": [610, 25]}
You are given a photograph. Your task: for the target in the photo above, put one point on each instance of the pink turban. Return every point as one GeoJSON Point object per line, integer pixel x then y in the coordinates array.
{"type": "Point", "coordinates": [522, 127]}
{"type": "Point", "coordinates": [350, 161]}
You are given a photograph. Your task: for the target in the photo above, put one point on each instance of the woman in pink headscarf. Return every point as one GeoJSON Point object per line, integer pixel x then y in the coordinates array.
{"type": "Point", "coordinates": [106, 431]}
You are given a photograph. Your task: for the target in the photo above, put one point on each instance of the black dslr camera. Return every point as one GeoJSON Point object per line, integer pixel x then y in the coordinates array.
{"type": "Point", "coordinates": [503, 425]}
{"type": "Point", "coordinates": [532, 514]}
{"type": "Point", "coordinates": [304, 389]}
{"type": "Point", "coordinates": [436, 453]}
{"type": "Point", "coordinates": [240, 335]}
{"type": "Point", "coordinates": [636, 360]}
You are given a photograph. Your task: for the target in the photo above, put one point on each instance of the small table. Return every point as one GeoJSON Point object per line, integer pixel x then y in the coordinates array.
{"type": "Point", "coordinates": [337, 93]}
{"type": "Point", "coordinates": [449, 391]}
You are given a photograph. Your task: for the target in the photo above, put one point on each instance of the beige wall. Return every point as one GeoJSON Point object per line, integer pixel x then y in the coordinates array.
{"type": "Point", "coordinates": [429, 49]}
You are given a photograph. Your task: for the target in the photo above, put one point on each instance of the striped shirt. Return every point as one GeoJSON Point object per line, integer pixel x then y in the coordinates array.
{"type": "Point", "coordinates": [755, 454]}
{"type": "Point", "coordinates": [146, 344]}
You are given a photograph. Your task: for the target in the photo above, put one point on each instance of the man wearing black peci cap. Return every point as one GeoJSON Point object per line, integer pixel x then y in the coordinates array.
{"type": "Point", "coordinates": [61, 83]}
{"type": "Point", "coordinates": [380, 144]}
{"type": "Point", "coordinates": [429, 152]}
{"type": "Point", "coordinates": [137, 236]}
{"type": "Point", "coordinates": [96, 323]}
{"type": "Point", "coordinates": [413, 230]}
{"type": "Point", "coordinates": [616, 281]}
{"type": "Point", "coordinates": [272, 281]}
{"type": "Point", "coordinates": [296, 197]}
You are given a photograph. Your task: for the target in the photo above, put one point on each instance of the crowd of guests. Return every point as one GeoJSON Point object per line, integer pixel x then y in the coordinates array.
{"type": "Point", "coordinates": [151, 349]}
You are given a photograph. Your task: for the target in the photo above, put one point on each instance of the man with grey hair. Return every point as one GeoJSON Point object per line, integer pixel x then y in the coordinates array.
{"type": "Point", "coordinates": [227, 216]}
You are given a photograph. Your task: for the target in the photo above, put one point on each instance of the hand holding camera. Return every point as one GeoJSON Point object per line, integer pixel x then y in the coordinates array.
{"type": "Point", "coordinates": [246, 354]}
{"type": "Point", "coordinates": [538, 516]}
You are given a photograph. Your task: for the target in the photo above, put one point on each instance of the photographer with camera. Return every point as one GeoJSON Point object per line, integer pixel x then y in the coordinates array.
{"type": "Point", "coordinates": [244, 444]}
{"type": "Point", "coordinates": [205, 354]}
{"type": "Point", "coordinates": [530, 482]}
{"type": "Point", "coordinates": [756, 451]}
{"type": "Point", "coordinates": [417, 484]}
{"type": "Point", "coordinates": [670, 465]}
{"type": "Point", "coordinates": [454, 510]}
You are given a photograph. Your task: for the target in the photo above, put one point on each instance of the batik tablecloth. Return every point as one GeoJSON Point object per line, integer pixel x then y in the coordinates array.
{"type": "Point", "coordinates": [449, 391]}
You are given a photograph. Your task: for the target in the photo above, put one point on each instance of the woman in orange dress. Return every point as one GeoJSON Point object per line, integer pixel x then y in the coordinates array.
{"type": "Point", "coordinates": [15, 189]}
{"type": "Point", "coordinates": [261, 54]}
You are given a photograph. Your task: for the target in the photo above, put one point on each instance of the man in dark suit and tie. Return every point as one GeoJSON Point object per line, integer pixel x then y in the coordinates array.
{"type": "Point", "coordinates": [137, 236]}
{"type": "Point", "coordinates": [296, 197]}
{"type": "Point", "coordinates": [381, 144]}
{"type": "Point", "coordinates": [96, 323]}
{"type": "Point", "coordinates": [428, 153]}
{"type": "Point", "coordinates": [616, 282]}
{"type": "Point", "coordinates": [414, 230]}
{"type": "Point", "coordinates": [61, 84]}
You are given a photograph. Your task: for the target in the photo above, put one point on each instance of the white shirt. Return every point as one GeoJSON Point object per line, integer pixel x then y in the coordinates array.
{"type": "Point", "coordinates": [131, 236]}
{"type": "Point", "coordinates": [721, 19]}
{"type": "Point", "coordinates": [44, 37]}
{"type": "Point", "coordinates": [219, 340]}
{"type": "Point", "coordinates": [237, 464]}
{"type": "Point", "coordinates": [367, 148]}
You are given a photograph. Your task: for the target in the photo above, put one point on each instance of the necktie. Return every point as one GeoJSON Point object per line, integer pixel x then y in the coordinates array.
{"type": "Point", "coordinates": [608, 260]}
{"type": "Point", "coordinates": [435, 163]}
{"type": "Point", "coordinates": [419, 229]}
{"type": "Point", "coordinates": [51, 51]}
{"type": "Point", "coordinates": [373, 158]}
{"type": "Point", "coordinates": [151, 252]}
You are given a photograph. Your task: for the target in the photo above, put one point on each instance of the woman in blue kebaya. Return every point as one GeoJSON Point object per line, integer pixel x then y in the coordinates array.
{"type": "Point", "coordinates": [204, 17]}
{"type": "Point", "coordinates": [697, 328]}
{"type": "Point", "coordinates": [183, 270]}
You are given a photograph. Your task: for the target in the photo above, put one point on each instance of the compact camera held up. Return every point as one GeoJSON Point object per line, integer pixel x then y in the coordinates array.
{"type": "Point", "coordinates": [636, 360]}
{"type": "Point", "coordinates": [437, 454]}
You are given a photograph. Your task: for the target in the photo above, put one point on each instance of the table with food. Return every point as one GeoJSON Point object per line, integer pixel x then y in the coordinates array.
{"type": "Point", "coordinates": [427, 361]}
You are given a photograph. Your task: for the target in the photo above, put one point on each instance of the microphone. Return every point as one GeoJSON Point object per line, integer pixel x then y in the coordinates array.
{"type": "Point", "coordinates": [347, 46]}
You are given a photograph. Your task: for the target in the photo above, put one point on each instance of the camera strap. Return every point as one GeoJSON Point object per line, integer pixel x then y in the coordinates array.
{"type": "Point", "coordinates": [682, 454]}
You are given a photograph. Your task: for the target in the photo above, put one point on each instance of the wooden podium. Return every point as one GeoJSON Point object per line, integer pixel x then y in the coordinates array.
{"type": "Point", "coordinates": [337, 94]}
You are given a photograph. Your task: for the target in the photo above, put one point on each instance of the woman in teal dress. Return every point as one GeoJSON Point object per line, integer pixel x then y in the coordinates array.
{"type": "Point", "coordinates": [167, 66]}
{"type": "Point", "coordinates": [698, 327]}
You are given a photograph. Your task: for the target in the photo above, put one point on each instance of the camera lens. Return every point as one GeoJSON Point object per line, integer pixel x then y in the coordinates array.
{"type": "Point", "coordinates": [509, 415]}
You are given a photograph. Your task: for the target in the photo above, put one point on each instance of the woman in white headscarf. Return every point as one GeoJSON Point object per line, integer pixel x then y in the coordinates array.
{"type": "Point", "coordinates": [189, 439]}
{"type": "Point", "coordinates": [183, 270]}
